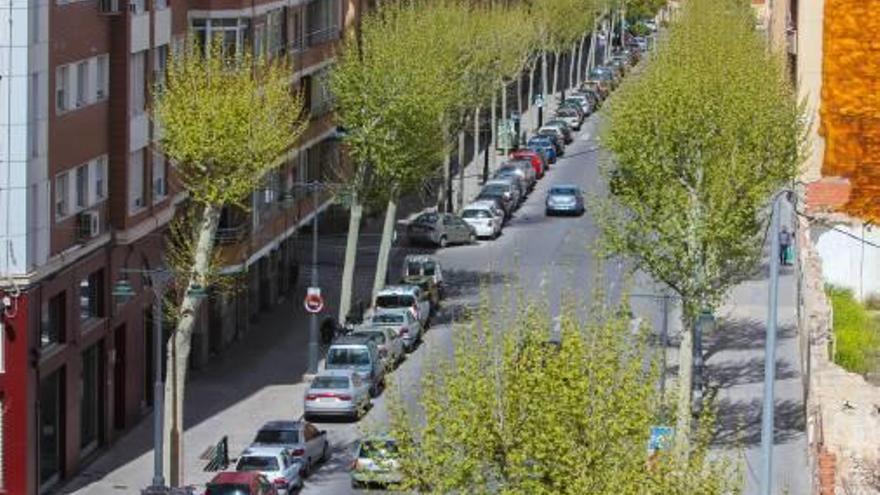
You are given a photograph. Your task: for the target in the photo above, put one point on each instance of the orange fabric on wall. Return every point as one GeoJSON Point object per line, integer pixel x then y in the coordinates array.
{"type": "Point", "coordinates": [850, 108]}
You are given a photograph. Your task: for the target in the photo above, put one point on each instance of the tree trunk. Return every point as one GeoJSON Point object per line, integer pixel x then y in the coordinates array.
{"type": "Point", "coordinates": [385, 245]}
{"type": "Point", "coordinates": [545, 90]}
{"type": "Point", "coordinates": [571, 65]}
{"type": "Point", "coordinates": [555, 79]}
{"type": "Point", "coordinates": [461, 170]}
{"type": "Point", "coordinates": [519, 105]}
{"type": "Point", "coordinates": [178, 351]}
{"type": "Point", "coordinates": [531, 98]}
{"type": "Point", "coordinates": [504, 116]}
{"type": "Point", "coordinates": [580, 62]}
{"type": "Point", "coordinates": [591, 54]}
{"type": "Point", "coordinates": [445, 193]}
{"type": "Point", "coordinates": [685, 382]}
{"type": "Point", "coordinates": [354, 227]}
{"type": "Point", "coordinates": [476, 155]}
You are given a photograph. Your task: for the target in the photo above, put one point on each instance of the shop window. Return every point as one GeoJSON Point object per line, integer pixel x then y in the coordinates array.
{"type": "Point", "coordinates": [52, 322]}
{"type": "Point", "coordinates": [51, 433]}
{"type": "Point", "coordinates": [91, 291]}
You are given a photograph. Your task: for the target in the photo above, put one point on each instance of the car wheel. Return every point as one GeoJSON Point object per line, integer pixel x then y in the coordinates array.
{"type": "Point", "coordinates": [325, 454]}
{"type": "Point", "coordinates": [356, 485]}
{"type": "Point", "coordinates": [472, 239]}
{"type": "Point", "coordinates": [548, 213]}
{"type": "Point", "coordinates": [307, 468]}
{"type": "Point", "coordinates": [443, 242]}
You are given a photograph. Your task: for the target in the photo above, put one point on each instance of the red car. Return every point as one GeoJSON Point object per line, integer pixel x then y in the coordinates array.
{"type": "Point", "coordinates": [536, 159]}
{"type": "Point", "coordinates": [240, 483]}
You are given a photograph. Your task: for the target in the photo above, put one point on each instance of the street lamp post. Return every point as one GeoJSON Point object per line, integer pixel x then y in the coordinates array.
{"type": "Point", "coordinates": [767, 413]}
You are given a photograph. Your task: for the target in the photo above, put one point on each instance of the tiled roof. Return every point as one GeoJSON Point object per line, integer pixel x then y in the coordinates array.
{"type": "Point", "coordinates": [828, 193]}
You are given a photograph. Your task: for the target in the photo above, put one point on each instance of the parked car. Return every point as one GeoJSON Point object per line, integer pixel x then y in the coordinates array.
{"type": "Point", "coordinates": [389, 343]}
{"type": "Point", "coordinates": [564, 199]}
{"type": "Point", "coordinates": [594, 100]}
{"type": "Point", "coordinates": [520, 168]}
{"type": "Point", "coordinates": [603, 77]}
{"type": "Point", "coordinates": [303, 439]}
{"type": "Point", "coordinates": [586, 103]}
{"type": "Point", "coordinates": [240, 483]}
{"type": "Point", "coordinates": [276, 464]}
{"type": "Point", "coordinates": [563, 125]}
{"type": "Point", "coordinates": [543, 145]}
{"type": "Point", "coordinates": [482, 219]}
{"type": "Point", "coordinates": [423, 265]}
{"type": "Point", "coordinates": [506, 188]}
{"type": "Point", "coordinates": [620, 63]}
{"type": "Point", "coordinates": [497, 198]}
{"type": "Point", "coordinates": [573, 105]}
{"type": "Point", "coordinates": [599, 88]}
{"type": "Point", "coordinates": [534, 157]}
{"type": "Point", "coordinates": [336, 393]}
{"type": "Point", "coordinates": [556, 137]}
{"type": "Point", "coordinates": [641, 43]}
{"type": "Point", "coordinates": [494, 207]}
{"type": "Point", "coordinates": [376, 462]}
{"type": "Point", "coordinates": [402, 321]}
{"type": "Point", "coordinates": [440, 229]}
{"type": "Point", "coordinates": [407, 297]}
{"type": "Point", "coordinates": [360, 354]}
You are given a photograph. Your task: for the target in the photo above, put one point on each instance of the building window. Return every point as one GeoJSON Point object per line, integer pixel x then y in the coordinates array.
{"type": "Point", "coordinates": [160, 66]}
{"type": "Point", "coordinates": [51, 428]}
{"type": "Point", "coordinates": [91, 292]}
{"type": "Point", "coordinates": [137, 83]}
{"type": "Point", "coordinates": [62, 191]}
{"type": "Point", "coordinates": [82, 186]}
{"type": "Point", "coordinates": [322, 21]}
{"type": "Point", "coordinates": [82, 83]}
{"type": "Point", "coordinates": [102, 72]}
{"type": "Point", "coordinates": [275, 32]}
{"type": "Point", "coordinates": [231, 33]}
{"type": "Point", "coordinates": [90, 399]}
{"type": "Point", "coordinates": [99, 174]}
{"type": "Point", "coordinates": [295, 29]}
{"type": "Point", "coordinates": [160, 189]}
{"type": "Point", "coordinates": [61, 89]}
{"type": "Point", "coordinates": [320, 97]}
{"type": "Point", "coordinates": [259, 41]}
{"type": "Point", "coordinates": [35, 116]}
{"type": "Point", "coordinates": [53, 321]}
{"type": "Point", "coordinates": [136, 181]}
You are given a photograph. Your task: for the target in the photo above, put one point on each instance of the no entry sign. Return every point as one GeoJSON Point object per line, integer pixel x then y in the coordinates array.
{"type": "Point", "coordinates": [313, 302]}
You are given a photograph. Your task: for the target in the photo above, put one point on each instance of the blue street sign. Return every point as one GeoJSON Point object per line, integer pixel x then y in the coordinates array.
{"type": "Point", "coordinates": [661, 439]}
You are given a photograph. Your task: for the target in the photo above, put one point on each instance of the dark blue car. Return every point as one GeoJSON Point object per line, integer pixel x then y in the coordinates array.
{"type": "Point", "coordinates": [543, 145]}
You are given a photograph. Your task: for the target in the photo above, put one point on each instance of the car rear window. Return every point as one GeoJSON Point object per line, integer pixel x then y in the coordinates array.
{"type": "Point", "coordinates": [375, 336]}
{"type": "Point", "coordinates": [429, 218]}
{"type": "Point", "coordinates": [330, 382]}
{"type": "Point", "coordinates": [496, 188]}
{"type": "Point", "coordinates": [565, 112]}
{"type": "Point", "coordinates": [394, 301]}
{"type": "Point", "coordinates": [378, 449]}
{"type": "Point", "coordinates": [388, 318]}
{"type": "Point", "coordinates": [277, 436]}
{"type": "Point", "coordinates": [225, 489]}
{"type": "Point", "coordinates": [475, 214]}
{"type": "Point", "coordinates": [257, 463]}
{"type": "Point", "coordinates": [348, 356]}
{"type": "Point", "coordinates": [564, 191]}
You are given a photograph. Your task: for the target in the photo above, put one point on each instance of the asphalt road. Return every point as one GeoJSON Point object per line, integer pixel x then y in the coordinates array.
{"type": "Point", "coordinates": [544, 259]}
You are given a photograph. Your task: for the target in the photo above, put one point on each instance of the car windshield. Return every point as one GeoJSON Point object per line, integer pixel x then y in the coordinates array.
{"type": "Point", "coordinates": [388, 318]}
{"type": "Point", "coordinates": [348, 356]}
{"type": "Point", "coordinates": [394, 301]}
{"type": "Point", "coordinates": [225, 489]}
{"type": "Point", "coordinates": [475, 214]}
{"type": "Point", "coordinates": [257, 463]}
{"type": "Point", "coordinates": [428, 218]}
{"type": "Point", "coordinates": [277, 436]}
{"type": "Point", "coordinates": [378, 449]}
{"type": "Point", "coordinates": [508, 171]}
{"type": "Point", "coordinates": [429, 267]}
{"type": "Point", "coordinates": [564, 191]}
{"type": "Point", "coordinates": [374, 335]}
{"type": "Point", "coordinates": [566, 112]}
{"type": "Point", "coordinates": [330, 382]}
{"type": "Point", "coordinates": [495, 188]}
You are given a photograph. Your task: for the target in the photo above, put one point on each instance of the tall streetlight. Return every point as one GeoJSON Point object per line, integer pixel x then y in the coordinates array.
{"type": "Point", "coordinates": [767, 413]}
{"type": "Point", "coordinates": [123, 292]}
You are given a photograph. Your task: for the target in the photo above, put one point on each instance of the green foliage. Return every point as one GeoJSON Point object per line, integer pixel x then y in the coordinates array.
{"type": "Point", "coordinates": [701, 138]}
{"type": "Point", "coordinates": [637, 10]}
{"type": "Point", "coordinates": [511, 413]}
{"type": "Point", "coordinates": [856, 332]}
{"type": "Point", "coordinates": [225, 120]}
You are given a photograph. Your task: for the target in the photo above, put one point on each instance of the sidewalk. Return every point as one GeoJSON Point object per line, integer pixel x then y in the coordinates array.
{"type": "Point", "coordinates": [734, 354]}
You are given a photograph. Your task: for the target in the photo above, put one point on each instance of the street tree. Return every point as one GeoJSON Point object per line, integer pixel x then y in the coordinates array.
{"type": "Point", "coordinates": [225, 120]}
{"type": "Point", "coordinates": [516, 409]}
{"type": "Point", "coordinates": [700, 140]}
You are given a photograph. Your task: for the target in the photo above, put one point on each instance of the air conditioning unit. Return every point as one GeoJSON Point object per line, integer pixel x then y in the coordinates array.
{"type": "Point", "coordinates": [89, 224]}
{"type": "Point", "coordinates": [109, 6]}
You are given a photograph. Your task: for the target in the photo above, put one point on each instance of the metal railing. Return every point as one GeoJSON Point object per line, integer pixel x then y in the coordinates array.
{"type": "Point", "coordinates": [234, 234]}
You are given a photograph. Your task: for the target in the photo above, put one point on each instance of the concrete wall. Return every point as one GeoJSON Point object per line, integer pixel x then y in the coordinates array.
{"type": "Point", "coordinates": [846, 260]}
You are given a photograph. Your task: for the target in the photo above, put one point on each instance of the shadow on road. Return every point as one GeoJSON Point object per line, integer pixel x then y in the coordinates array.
{"type": "Point", "coordinates": [739, 423]}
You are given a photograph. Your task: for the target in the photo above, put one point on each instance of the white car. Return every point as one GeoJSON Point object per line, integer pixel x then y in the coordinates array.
{"type": "Point", "coordinates": [404, 297]}
{"type": "Point", "coordinates": [483, 220]}
{"type": "Point", "coordinates": [276, 464]}
{"type": "Point", "coordinates": [493, 207]}
{"type": "Point", "coordinates": [402, 321]}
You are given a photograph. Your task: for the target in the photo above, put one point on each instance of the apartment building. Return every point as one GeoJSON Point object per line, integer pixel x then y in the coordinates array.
{"type": "Point", "coordinates": [85, 197]}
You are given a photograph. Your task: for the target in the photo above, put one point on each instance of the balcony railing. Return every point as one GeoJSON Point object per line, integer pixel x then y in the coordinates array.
{"type": "Point", "coordinates": [321, 35]}
{"type": "Point", "coordinates": [233, 234]}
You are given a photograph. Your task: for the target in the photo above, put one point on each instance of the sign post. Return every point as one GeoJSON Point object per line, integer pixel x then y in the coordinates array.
{"type": "Point", "coordinates": [539, 102]}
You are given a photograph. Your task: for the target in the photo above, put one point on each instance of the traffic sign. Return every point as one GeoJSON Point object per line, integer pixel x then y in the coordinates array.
{"type": "Point", "coordinates": [313, 302]}
{"type": "Point", "coordinates": [539, 100]}
{"type": "Point", "coordinates": [661, 439]}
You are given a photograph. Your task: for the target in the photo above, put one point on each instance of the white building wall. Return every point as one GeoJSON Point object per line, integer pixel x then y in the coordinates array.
{"type": "Point", "coordinates": [846, 260]}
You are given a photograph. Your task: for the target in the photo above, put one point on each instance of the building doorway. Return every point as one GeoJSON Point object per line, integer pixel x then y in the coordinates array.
{"type": "Point", "coordinates": [51, 421]}
{"type": "Point", "coordinates": [119, 378]}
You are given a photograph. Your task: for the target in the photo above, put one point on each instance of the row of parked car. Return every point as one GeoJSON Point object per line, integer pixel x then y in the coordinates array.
{"type": "Point", "coordinates": [284, 452]}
